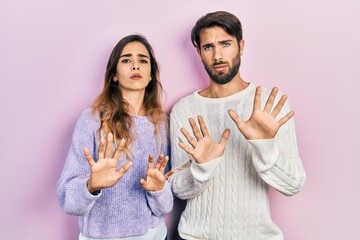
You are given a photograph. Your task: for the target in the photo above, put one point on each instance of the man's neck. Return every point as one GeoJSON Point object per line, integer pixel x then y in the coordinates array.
{"type": "Point", "coordinates": [216, 90]}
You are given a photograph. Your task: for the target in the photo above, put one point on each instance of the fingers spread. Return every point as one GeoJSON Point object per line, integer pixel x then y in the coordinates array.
{"type": "Point", "coordinates": [257, 98]}
{"type": "Point", "coordinates": [169, 173]}
{"type": "Point", "coordinates": [151, 162]}
{"type": "Point", "coordinates": [195, 129]}
{"type": "Point", "coordinates": [163, 164]}
{"type": "Point", "coordinates": [225, 136]}
{"type": "Point", "coordinates": [88, 156]}
{"type": "Point", "coordinates": [124, 169]}
{"type": "Point", "coordinates": [186, 148]}
{"type": "Point", "coordinates": [142, 182]}
{"type": "Point", "coordinates": [159, 161]}
{"type": "Point", "coordinates": [188, 137]}
{"type": "Point", "coordinates": [286, 118]}
{"type": "Point", "coordinates": [279, 106]}
{"type": "Point", "coordinates": [203, 127]}
{"type": "Point", "coordinates": [235, 117]}
{"type": "Point", "coordinates": [119, 149]}
{"type": "Point", "coordinates": [109, 145]}
{"type": "Point", "coordinates": [101, 148]}
{"type": "Point", "coordinates": [271, 99]}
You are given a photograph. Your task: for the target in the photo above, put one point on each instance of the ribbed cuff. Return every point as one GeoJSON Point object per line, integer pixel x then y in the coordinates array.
{"type": "Point", "coordinates": [205, 171]}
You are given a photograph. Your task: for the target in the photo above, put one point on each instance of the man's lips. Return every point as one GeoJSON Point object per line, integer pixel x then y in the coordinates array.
{"type": "Point", "coordinates": [219, 67]}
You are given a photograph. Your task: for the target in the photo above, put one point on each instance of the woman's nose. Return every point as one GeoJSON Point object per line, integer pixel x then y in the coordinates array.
{"type": "Point", "coordinates": [135, 66]}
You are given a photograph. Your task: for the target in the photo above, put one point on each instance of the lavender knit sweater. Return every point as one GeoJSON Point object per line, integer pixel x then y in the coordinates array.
{"type": "Point", "coordinates": [125, 209]}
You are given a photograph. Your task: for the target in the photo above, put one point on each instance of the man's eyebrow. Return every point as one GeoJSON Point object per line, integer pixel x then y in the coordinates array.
{"type": "Point", "coordinates": [219, 42]}
{"type": "Point", "coordinates": [130, 55]}
{"type": "Point", "coordinates": [225, 41]}
{"type": "Point", "coordinates": [207, 45]}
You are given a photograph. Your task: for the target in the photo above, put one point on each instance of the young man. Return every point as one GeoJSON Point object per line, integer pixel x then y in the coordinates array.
{"type": "Point", "coordinates": [225, 183]}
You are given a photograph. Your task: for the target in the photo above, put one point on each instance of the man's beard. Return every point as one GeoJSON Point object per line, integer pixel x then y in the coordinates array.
{"type": "Point", "coordinates": [221, 77]}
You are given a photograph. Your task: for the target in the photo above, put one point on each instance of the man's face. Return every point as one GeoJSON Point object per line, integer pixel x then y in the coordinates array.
{"type": "Point", "coordinates": [220, 54]}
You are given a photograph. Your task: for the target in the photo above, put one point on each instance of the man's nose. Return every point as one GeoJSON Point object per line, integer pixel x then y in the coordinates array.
{"type": "Point", "coordinates": [218, 56]}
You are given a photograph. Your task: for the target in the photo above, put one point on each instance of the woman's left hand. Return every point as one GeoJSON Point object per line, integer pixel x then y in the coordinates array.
{"type": "Point", "coordinates": [155, 178]}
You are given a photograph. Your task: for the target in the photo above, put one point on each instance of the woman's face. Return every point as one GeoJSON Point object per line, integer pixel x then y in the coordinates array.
{"type": "Point", "coordinates": [133, 71]}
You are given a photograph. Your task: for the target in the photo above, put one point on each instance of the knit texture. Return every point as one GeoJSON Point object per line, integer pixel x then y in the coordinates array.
{"type": "Point", "coordinates": [230, 199]}
{"type": "Point", "coordinates": [125, 209]}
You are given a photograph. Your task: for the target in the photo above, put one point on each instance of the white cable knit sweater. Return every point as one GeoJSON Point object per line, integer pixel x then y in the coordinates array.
{"type": "Point", "coordinates": [228, 197]}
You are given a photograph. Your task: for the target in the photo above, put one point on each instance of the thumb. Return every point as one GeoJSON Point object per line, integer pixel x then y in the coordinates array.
{"type": "Point", "coordinates": [225, 136]}
{"type": "Point", "coordinates": [169, 173]}
{"type": "Point", "coordinates": [142, 182]}
{"type": "Point", "coordinates": [235, 117]}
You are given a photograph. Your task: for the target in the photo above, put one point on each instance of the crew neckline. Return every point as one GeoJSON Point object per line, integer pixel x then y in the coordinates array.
{"type": "Point", "coordinates": [237, 95]}
{"type": "Point", "coordinates": [140, 119]}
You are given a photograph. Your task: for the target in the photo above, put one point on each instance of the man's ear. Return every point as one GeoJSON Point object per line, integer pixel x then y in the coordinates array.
{"type": "Point", "coordinates": [241, 45]}
{"type": "Point", "coordinates": [198, 51]}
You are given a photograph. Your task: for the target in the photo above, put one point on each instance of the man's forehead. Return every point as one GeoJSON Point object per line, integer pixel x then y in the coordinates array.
{"type": "Point", "coordinates": [215, 34]}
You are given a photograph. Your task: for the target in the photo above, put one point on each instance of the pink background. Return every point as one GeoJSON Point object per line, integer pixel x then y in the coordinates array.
{"type": "Point", "coordinates": [53, 56]}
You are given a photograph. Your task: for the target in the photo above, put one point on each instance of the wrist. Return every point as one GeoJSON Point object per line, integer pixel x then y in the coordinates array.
{"type": "Point", "coordinates": [158, 188]}
{"type": "Point", "coordinates": [92, 190]}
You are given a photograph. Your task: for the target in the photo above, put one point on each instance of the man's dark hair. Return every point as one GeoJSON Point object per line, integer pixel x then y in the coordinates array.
{"type": "Point", "coordinates": [229, 22]}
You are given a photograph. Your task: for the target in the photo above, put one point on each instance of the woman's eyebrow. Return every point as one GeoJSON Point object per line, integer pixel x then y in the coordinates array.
{"type": "Point", "coordinates": [130, 55]}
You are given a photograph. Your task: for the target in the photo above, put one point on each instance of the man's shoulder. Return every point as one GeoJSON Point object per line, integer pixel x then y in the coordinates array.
{"type": "Point", "coordinates": [183, 102]}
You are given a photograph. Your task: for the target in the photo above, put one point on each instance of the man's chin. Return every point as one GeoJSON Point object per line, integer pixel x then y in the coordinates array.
{"type": "Point", "coordinates": [220, 75]}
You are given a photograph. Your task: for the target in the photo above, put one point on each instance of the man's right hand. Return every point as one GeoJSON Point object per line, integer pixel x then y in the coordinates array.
{"type": "Point", "coordinates": [204, 148]}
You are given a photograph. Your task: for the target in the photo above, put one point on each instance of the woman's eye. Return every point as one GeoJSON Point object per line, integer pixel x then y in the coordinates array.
{"type": "Point", "coordinates": [125, 60]}
{"type": "Point", "coordinates": [143, 61]}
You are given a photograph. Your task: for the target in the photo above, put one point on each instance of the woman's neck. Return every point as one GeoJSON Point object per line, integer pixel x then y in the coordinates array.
{"type": "Point", "coordinates": [136, 103]}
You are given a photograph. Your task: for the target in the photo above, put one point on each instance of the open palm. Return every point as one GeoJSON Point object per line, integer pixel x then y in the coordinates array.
{"type": "Point", "coordinates": [203, 148]}
{"type": "Point", "coordinates": [262, 124]}
{"type": "Point", "coordinates": [155, 178]}
{"type": "Point", "coordinates": [104, 172]}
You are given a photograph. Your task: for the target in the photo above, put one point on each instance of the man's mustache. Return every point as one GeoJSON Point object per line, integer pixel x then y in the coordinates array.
{"type": "Point", "coordinates": [219, 63]}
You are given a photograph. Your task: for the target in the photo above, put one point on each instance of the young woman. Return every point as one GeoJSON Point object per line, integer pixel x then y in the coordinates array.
{"type": "Point", "coordinates": [109, 179]}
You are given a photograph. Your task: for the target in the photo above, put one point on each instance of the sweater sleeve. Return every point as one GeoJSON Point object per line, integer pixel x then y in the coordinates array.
{"type": "Point", "coordinates": [72, 192]}
{"type": "Point", "coordinates": [160, 202]}
{"type": "Point", "coordinates": [277, 160]}
{"type": "Point", "coordinates": [189, 178]}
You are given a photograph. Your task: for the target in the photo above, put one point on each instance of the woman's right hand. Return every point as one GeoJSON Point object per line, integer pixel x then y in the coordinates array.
{"type": "Point", "coordinates": [104, 172]}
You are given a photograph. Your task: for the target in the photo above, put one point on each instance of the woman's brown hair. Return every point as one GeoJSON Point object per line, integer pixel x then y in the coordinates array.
{"type": "Point", "coordinates": [113, 108]}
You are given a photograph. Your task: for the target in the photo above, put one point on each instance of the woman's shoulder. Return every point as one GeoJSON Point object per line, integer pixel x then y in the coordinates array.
{"type": "Point", "coordinates": [88, 118]}
{"type": "Point", "coordinates": [87, 113]}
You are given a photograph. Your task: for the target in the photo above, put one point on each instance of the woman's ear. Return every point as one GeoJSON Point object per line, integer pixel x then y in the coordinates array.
{"type": "Point", "coordinates": [115, 78]}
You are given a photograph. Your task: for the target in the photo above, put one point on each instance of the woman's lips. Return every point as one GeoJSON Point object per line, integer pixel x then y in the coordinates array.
{"type": "Point", "coordinates": [136, 76]}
